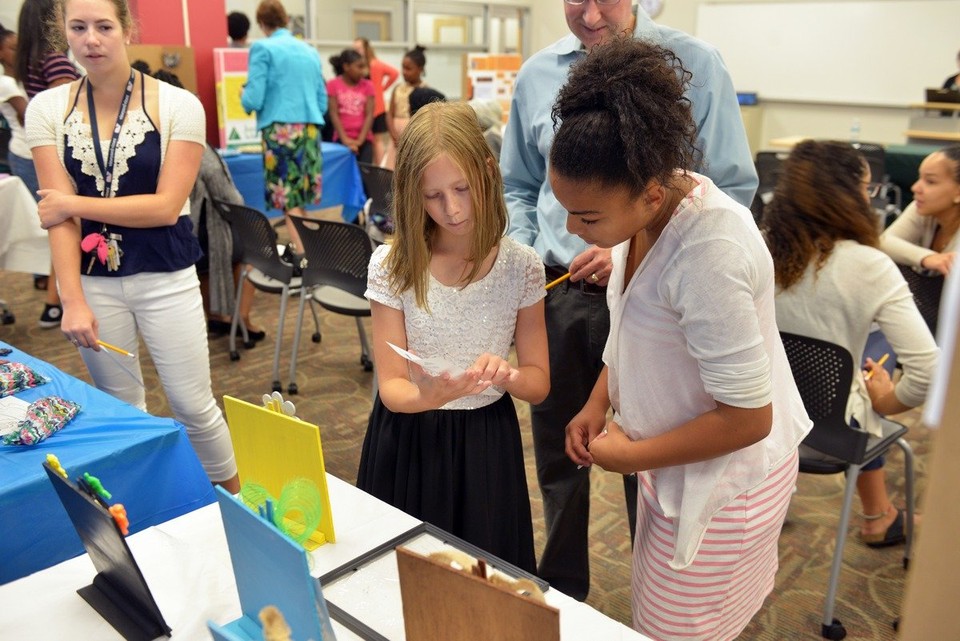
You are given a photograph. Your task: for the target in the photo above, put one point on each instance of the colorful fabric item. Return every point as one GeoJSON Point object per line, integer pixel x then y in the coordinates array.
{"type": "Point", "coordinates": [292, 165]}
{"type": "Point", "coordinates": [16, 377]}
{"type": "Point", "coordinates": [45, 417]}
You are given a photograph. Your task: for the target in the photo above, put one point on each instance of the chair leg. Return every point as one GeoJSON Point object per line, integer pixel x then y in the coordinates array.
{"type": "Point", "coordinates": [316, 321]}
{"type": "Point", "coordinates": [234, 354]}
{"type": "Point", "coordinates": [292, 388]}
{"type": "Point", "coordinates": [284, 296]}
{"type": "Point", "coordinates": [908, 486]}
{"type": "Point", "coordinates": [364, 346]}
{"type": "Point", "coordinates": [832, 628]}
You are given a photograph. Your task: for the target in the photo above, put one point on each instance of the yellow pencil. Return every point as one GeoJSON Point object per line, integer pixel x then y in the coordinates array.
{"type": "Point", "coordinates": [554, 283]}
{"type": "Point", "coordinates": [114, 348]}
{"type": "Point", "coordinates": [883, 359]}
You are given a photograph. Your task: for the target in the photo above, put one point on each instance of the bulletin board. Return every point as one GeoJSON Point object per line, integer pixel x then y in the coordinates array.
{"type": "Point", "coordinates": [491, 77]}
{"type": "Point", "coordinates": [866, 52]}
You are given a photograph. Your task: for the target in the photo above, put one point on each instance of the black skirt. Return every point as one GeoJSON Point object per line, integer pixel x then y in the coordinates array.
{"type": "Point", "coordinates": [461, 470]}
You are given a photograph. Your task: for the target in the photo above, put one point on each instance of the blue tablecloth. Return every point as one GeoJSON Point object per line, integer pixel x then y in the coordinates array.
{"type": "Point", "coordinates": [341, 180]}
{"type": "Point", "coordinates": [146, 462]}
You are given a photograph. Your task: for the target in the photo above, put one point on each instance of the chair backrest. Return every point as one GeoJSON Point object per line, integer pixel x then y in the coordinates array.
{"type": "Point", "coordinates": [927, 291]}
{"type": "Point", "coordinates": [337, 254]}
{"type": "Point", "coordinates": [378, 185]}
{"type": "Point", "coordinates": [823, 372]}
{"type": "Point", "coordinates": [769, 166]}
{"type": "Point", "coordinates": [258, 239]}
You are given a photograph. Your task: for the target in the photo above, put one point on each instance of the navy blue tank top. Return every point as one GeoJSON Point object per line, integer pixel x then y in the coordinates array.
{"type": "Point", "coordinates": [152, 249]}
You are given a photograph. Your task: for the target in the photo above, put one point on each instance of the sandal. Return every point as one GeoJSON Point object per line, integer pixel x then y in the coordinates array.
{"type": "Point", "coordinates": [894, 535]}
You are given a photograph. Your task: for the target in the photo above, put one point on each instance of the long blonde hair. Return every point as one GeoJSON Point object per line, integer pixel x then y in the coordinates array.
{"type": "Point", "coordinates": [442, 128]}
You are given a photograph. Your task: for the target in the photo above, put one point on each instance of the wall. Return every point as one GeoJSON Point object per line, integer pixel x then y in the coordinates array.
{"type": "Point", "coordinates": [779, 119]}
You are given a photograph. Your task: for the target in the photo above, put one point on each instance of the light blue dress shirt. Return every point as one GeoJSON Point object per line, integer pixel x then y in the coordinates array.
{"type": "Point", "coordinates": [284, 82]}
{"type": "Point", "coordinates": [536, 218]}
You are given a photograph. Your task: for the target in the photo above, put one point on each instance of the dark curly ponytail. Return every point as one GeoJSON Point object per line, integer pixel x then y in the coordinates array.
{"type": "Point", "coordinates": [623, 119]}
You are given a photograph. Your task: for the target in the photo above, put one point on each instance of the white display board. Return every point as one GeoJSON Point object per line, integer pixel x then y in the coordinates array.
{"type": "Point", "coordinates": [879, 52]}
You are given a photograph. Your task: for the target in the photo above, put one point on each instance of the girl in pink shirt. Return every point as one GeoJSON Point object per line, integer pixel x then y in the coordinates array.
{"type": "Point", "coordinates": [351, 104]}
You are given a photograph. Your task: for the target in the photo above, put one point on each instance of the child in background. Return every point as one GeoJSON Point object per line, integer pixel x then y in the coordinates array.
{"type": "Point", "coordinates": [443, 444]}
{"type": "Point", "coordinates": [412, 68]}
{"type": "Point", "coordinates": [706, 412]}
{"type": "Point", "coordinates": [925, 235]}
{"type": "Point", "coordinates": [351, 104]}
{"type": "Point", "coordinates": [382, 76]}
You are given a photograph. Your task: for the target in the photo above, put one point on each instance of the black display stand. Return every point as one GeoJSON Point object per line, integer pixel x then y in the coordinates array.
{"type": "Point", "coordinates": [119, 592]}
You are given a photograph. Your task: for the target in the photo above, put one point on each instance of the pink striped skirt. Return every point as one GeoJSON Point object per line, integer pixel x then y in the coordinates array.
{"type": "Point", "coordinates": [715, 596]}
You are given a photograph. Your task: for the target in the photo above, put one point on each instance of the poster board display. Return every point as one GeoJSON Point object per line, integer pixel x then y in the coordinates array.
{"type": "Point", "coordinates": [491, 77]}
{"type": "Point", "coordinates": [177, 59]}
{"type": "Point", "coordinates": [238, 129]}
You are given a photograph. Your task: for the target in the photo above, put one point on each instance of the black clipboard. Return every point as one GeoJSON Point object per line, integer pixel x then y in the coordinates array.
{"type": "Point", "coordinates": [119, 593]}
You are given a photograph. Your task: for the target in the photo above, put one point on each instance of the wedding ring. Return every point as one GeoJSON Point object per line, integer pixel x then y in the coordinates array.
{"type": "Point", "coordinates": [75, 342]}
{"type": "Point", "coordinates": [594, 277]}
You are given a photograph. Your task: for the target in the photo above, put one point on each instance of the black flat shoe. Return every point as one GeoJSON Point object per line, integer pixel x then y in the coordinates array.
{"type": "Point", "coordinates": [256, 337]}
{"type": "Point", "coordinates": [894, 535]}
{"type": "Point", "coordinates": [218, 327]}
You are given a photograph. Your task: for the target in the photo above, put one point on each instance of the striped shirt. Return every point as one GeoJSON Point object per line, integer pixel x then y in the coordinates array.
{"type": "Point", "coordinates": [56, 66]}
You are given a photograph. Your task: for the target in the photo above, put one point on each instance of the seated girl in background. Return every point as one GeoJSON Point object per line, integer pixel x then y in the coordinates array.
{"type": "Point", "coordinates": [705, 410]}
{"type": "Point", "coordinates": [833, 283]}
{"type": "Point", "coordinates": [925, 235]}
{"type": "Point", "coordinates": [351, 100]}
{"type": "Point", "coordinates": [441, 445]}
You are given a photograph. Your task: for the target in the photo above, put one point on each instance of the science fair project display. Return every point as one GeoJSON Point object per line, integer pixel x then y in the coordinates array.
{"type": "Point", "coordinates": [278, 597]}
{"type": "Point", "coordinates": [280, 459]}
{"type": "Point", "coordinates": [119, 593]}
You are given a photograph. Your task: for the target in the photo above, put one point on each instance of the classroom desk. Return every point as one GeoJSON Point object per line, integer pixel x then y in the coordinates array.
{"type": "Point", "coordinates": [341, 180]}
{"type": "Point", "coordinates": [146, 462]}
{"type": "Point", "coordinates": [200, 584]}
{"type": "Point", "coordinates": [23, 244]}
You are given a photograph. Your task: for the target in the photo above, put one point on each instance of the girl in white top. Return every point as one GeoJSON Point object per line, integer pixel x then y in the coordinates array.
{"type": "Point", "coordinates": [833, 284]}
{"type": "Point", "coordinates": [925, 235]}
{"type": "Point", "coordinates": [705, 409]}
{"type": "Point", "coordinates": [443, 441]}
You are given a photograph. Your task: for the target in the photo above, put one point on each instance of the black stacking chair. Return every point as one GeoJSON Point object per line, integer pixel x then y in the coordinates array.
{"type": "Point", "coordinates": [378, 185]}
{"type": "Point", "coordinates": [267, 272]}
{"type": "Point", "coordinates": [824, 373]}
{"type": "Point", "coordinates": [927, 289]}
{"type": "Point", "coordinates": [335, 273]}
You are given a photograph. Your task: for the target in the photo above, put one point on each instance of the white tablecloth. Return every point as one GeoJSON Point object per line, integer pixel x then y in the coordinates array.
{"type": "Point", "coordinates": [186, 563]}
{"type": "Point", "coordinates": [23, 244]}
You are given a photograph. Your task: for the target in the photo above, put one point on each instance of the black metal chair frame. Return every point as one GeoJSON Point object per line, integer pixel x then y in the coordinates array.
{"type": "Point", "coordinates": [824, 374]}
{"type": "Point", "coordinates": [267, 272]}
{"type": "Point", "coordinates": [378, 185]}
{"type": "Point", "coordinates": [336, 256]}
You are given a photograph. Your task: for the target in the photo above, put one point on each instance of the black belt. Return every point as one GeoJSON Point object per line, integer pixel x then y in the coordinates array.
{"type": "Point", "coordinates": [585, 286]}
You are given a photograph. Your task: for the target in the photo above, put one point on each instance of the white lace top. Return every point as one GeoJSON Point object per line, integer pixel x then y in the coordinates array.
{"type": "Point", "coordinates": [181, 118]}
{"type": "Point", "coordinates": [464, 323]}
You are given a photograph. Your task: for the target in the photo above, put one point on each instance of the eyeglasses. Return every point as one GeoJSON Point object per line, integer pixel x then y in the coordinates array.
{"type": "Point", "coordinates": [600, 2]}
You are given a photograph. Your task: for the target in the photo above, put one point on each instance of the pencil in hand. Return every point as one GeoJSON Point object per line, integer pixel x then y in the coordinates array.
{"type": "Point", "coordinates": [883, 359]}
{"type": "Point", "coordinates": [114, 348]}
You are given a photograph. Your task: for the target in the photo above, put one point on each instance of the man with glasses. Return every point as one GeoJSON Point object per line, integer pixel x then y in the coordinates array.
{"type": "Point", "coordinates": [577, 317]}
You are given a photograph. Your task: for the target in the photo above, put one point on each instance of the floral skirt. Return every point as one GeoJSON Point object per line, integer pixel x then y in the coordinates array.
{"type": "Point", "coordinates": [292, 165]}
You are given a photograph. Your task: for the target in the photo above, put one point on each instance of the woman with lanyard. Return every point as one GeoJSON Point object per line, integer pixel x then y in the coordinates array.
{"type": "Point", "coordinates": [117, 154]}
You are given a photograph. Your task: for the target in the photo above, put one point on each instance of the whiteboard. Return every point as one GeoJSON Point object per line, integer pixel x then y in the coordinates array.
{"type": "Point", "coordinates": [880, 52]}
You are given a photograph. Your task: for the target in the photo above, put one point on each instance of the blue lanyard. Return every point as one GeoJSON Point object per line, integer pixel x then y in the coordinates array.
{"type": "Point", "coordinates": [106, 170]}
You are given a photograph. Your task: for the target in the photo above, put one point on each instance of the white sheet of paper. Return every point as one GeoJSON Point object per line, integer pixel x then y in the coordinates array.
{"type": "Point", "coordinates": [436, 366]}
{"type": "Point", "coordinates": [12, 411]}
